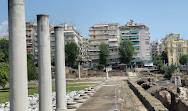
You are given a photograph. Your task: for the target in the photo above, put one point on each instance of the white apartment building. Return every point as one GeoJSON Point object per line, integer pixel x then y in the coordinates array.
{"type": "Point", "coordinates": [109, 34]}
{"type": "Point", "coordinates": [140, 37]}
{"type": "Point", "coordinates": [156, 48]}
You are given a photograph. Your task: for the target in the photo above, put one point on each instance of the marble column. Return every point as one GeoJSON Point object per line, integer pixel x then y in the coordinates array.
{"type": "Point", "coordinates": [17, 56]}
{"type": "Point", "coordinates": [44, 60]}
{"type": "Point", "coordinates": [60, 77]}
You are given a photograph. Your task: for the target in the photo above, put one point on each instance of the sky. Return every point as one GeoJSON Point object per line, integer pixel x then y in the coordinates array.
{"type": "Point", "coordinates": [161, 16]}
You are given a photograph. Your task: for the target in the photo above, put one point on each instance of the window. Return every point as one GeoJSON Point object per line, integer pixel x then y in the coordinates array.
{"type": "Point", "coordinates": [146, 37]}
{"type": "Point", "coordinates": [171, 59]}
{"type": "Point", "coordinates": [171, 50]}
{"type": "Point", "coordinates": [147, 54]}
{"type": "Point", "coordinates": [179, 45]}
{"type": "Point", "coordinates": [179, 49]}
{"type": "Point", "coordinates": [147, 42]}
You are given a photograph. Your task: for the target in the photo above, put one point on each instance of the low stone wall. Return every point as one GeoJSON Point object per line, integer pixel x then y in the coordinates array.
{"type": "Point", "coordinates": [150, 102]}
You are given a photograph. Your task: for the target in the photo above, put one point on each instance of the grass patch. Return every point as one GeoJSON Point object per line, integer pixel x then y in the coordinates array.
{"type": "Point", "coordinates": [33, 88]}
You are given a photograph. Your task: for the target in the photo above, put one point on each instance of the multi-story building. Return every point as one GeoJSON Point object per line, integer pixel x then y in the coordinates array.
{"type": "Point", "coordinates": [107, 33]}
{"type": "Point", "coordinates": [156, 48]}
{"type": "Point", "coordinates": [31, 37]}
{"type": "Point", "coordinates": [169, 37]}
{"type": "Point", "coordinates": [175, 49]}
{"type": "Point", "coordinates": [71, 35]}
{"type": "Point", "coordinates": [85, 56]}
{"type": "Point", "coordinates": [140, 36]}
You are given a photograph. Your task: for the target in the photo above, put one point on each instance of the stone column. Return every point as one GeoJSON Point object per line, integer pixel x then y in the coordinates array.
{"type": "Point", "coordinates": [106, 73]}
{"type": "Point", "coordinates": [79, 76]}
{"type": "Point", "coordinates": [45, 80]}
{"type": "Point", "coordinates": [17, 56]}
{"type": "Point", "coordinates": [60, 77]}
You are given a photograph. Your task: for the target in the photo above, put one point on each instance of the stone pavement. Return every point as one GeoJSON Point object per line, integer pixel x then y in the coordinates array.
{"type": "Point", "coordinates": [104, 99]}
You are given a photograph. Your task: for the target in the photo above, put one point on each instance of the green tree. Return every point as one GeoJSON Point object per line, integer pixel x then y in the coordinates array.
{"type": "Point", "coordinates": [183, 59]}
{"type": "Point", "coordinates": [71, 53]}
{"type": "Point", "coordinates": [103, 54]}
{"type": "Point", "coordinates": [2, 57]}
{"type": "Point", "coordinates": [4, 74]}
{"type": "Point", "coordinates": [169, 70]}
{"type": "Point", "coordinates": [164, 57]}
{"type": "Point", "coordinates": [53, 62]}
{"type": "Point", "coordinates": [4, 48]}
{"type": "Point", "coordinates": [31, 68]}
{"type": "Point", "coordinates": [158, 61]}
{"type": "Point", "coordinates": [126, 51]}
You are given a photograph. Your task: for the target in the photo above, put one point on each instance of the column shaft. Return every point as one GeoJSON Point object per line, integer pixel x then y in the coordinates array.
{"type": "Point", "coordinates": [45, 81]}
{"type": "Point", "coordinates": [17, 56]}
{"type": "Point", "coordinates": [60, 77]}
{"type": "Point", "coordinates": [79, 76]}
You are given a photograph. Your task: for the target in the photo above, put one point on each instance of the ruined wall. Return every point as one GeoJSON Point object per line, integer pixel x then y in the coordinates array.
{"type": "Point", "coordinates": [150, 102]}
{"type": "Point", "coordinates": [176, 104]}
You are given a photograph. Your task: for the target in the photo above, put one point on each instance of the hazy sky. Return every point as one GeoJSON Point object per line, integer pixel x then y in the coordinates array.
{"type": "Point", "coordinates": [161, 16]}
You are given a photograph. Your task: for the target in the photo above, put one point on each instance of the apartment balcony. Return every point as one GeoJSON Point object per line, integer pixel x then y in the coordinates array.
{"type": "Point", "coordinates": [28, 34]}
{"type": "Point", "coordinates": [95, 43]}
{"type": "Point", "coordinates": [93, 54]}
{"type": "Point", "coordinates": [29, 42]}
{"type": "Point", "coordinates": [69, 34]}
{"type": "Point", "coordinates": [93, 49]}
{"type": "Point", "coordinates": [98, 28]}
{"type": "Point", "coordinates": [114, 56]}
{"type": "Point", "coordinates": [29, 29]}
{"type": "Point", "coordinates": [94, 57]}
{"type": "Point", "coordinates": [28, 38]}
{"type": "Point", "coordinates": [115, 39]}
{"type": "Point", "coordinates": [134, 32]}
{"type": "Point", "coordinates": [114, 53]}
{"type": "Point", "coordinates": [112, 33]}
{"type": "Point", "coordinates": [99, 34]}
{"type": "Point", "coordinates": [113, 45]}
{"type": "Point", "coordinates": [98, 38]}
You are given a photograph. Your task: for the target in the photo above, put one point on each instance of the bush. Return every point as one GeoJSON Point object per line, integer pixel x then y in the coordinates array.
{"type": "Point", "coordinates": [4, 74]}
{"type": "Point", "coordinates": [92, 68]}
{"type": "Point", "coordinates": [184, 59]}
{"type": "Point", "coordinates": [170, 70]}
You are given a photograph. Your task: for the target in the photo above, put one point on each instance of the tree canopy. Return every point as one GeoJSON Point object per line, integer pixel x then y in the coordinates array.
{"type": "Point", "coordinates": [158, 61]}
{"type": "Point", "coordinates": [71, 53]}
{"type": "Point", "coordinates": [103, 54]}
{"type": "Point", "coordinates": [4, 49]}
{"type": "Point", "coordinates": [4, 66]}
{"type": "Point", "coordinates": [31, 68]}
{"type": "Point", "coordinates": [184, 59]}
{"type": "Point", "coordinates": [164, 57]}
{"type": "Point", "coordinates": [4, 73]}
{"type": "Point", "coordinates": [126, 51]}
